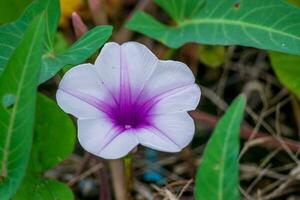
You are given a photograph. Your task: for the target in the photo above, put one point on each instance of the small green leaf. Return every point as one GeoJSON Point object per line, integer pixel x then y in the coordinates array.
{"type": "Point", "coordinates": [212, 56]}
{"type": "Point", "coordinates": [218, 175]}
{"type": "Point", "coordinates": [77, 53]}
{"type": "Point", "coordinates": [53, 142]}
{"type": "Point", "coordinates": [265, 24]}
{"type": "Point", "coordinates": [16, 124]}
{"type": "Point", "coordinates": [287, 70]}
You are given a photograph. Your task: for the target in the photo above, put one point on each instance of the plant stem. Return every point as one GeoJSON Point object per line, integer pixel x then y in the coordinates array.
{"type": "Point", "coordinates": [117, 171]}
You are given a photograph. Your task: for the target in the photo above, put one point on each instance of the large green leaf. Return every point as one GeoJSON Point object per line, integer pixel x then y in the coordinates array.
{"type": "Point", "coordinates": [287, 69]}
{"type": "Point", "coordinates": [77, 53]}
{"type": "Point", "coordinates": [17, 106]}
{"type": "Point", "coordinates": [218, 175]}
{"type": "Point", "coordinates": [265, 24]}
{"type": "Point", "coordinates": [54, 140]}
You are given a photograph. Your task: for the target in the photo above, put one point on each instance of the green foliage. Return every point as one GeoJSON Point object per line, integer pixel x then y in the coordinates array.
{"type": "Point", "coordinates": [218, 175]}
{"type": "Point", "coordinates": [53, 128]}
{"type": "Point", "coordinates": [60, 44]}
{"type": "Point", "coordinates": [39, 188]}
{"type": "Point", "coordinates": [11, 34]}
{"type": "Point", "coordinates": [19, 83]}
{"type": "Point", "coordinates": [287, 70]}
{"type": "Point", "coordinates": [54, 140]}
{"type": "Point", "coordinates": [266, 24]}
{"type": "Point", "coordinates": [10, 10]}
{"type": "Point", "coordinates": [52, 61]}
{"type": "Point", "coordinates": [212, 56]}
{"type": "Point", "coordinates": [77, 53]}
{"type": "Point", "coordinates": [286, 66]}
{"type": "Point", "coordinates": [294, 2]}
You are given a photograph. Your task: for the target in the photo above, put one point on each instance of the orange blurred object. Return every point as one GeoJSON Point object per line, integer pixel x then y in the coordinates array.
{"type": "Point", "coordinates": [67, 7]}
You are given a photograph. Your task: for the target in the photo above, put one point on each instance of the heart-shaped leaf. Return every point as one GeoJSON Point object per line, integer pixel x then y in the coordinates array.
{"type": "Point", "coordinates": [266, 24]}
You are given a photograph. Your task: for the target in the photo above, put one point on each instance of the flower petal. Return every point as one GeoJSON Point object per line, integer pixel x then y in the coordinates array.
{"type": "Point", "coordinates": [168, 133]}
{"type": "Point", "coordinates": [140, 63]}
{"type": "Point", "coordinates": [132, 62]}
{"type": "Point", "coordinates": [180, 100]}
{"type": "Point", "coordinates": [101, 138]}
{"type": "Point", "coordinates": [108, 66]}
{"type": "Point", "coordinates": [80, 92]}
{"type": "Point", "coordinates": [169, 75]}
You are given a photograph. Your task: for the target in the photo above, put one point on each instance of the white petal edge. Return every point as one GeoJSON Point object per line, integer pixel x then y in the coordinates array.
{"type": "Point", "coordinates": [170, 133]}
{"type": "Point", "coordinates": [169, 75]}
{"type": "Point", "coordinates": [180, 100]}
{"type": "Point", "coordinates": [82, 79]}
{"type": "Point", "coordinates": [99, 137]}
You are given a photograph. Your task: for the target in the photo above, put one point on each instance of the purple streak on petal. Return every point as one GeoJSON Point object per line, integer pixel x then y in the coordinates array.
{"type": "Point", "coordinates": [93, 101]}
{"type": "Point", "coordinates": [150, 103]}
{"type": "Point", "coordinates": [125, 112]}
{"type": "Point", "coordinates": [112, 134]}
{"type": "Point", "coordinates": [162, 135]}
{"type": "Point", "coordinates": [125, 89]}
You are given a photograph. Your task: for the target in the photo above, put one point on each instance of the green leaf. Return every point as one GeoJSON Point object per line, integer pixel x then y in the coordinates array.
{"type": "Point", "coordinates": [11, 34]}
{"type": "Point", "coordinates": [10, 10]}
{"type": "Point", "coordinates": [287, 70]}
{"type": "Point", "coordinates": [19, 81]}
{"type": "Point", "coordinates": [54, 141]}
{"type": "Point", "coordinates": [218, 175]}
{"type": "Point", "coordinates": [77, 53]}
{"type": "Point", "coordinates": [53, 128]}
{"type": "Point", "coordinates": [266, 24]}
{"type": "Point", "coordinates": [294, 2]}
{"type": "Point", "coordinates": [60, 43]}
{"type": "Point", "coordinates": [39, 188]}
{"type": "Point", "coordinates": [212, 56]}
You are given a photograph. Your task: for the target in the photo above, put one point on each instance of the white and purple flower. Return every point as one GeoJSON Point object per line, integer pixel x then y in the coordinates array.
{"type": "Point", "coordinates": [129, 97]}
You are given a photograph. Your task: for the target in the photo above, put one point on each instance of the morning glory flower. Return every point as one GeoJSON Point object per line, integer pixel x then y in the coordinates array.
{"type": "Point", "coordinates": [130, 97]}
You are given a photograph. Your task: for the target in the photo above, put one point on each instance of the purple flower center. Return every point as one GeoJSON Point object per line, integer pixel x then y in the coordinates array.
{"type": "Point", "coordinates": [130, 114]}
